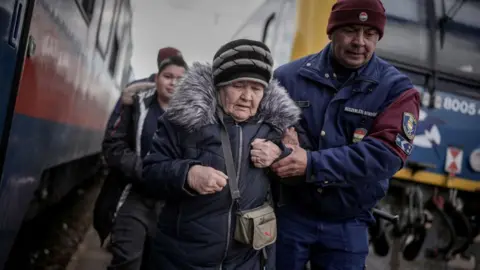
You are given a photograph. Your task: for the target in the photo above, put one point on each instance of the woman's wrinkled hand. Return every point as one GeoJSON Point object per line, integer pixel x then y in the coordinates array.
{"type": "Point", "coordinates": [264, 153]}
{"type": "Point", "coordinates": [206, 180]}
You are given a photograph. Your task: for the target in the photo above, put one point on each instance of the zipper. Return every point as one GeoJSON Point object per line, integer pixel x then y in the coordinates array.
{"type": "Point", "coordinates": [240, 148]}
{"type": "Point", "coordinates": [239, 164]}
{"type": "Point", "coordinates": [229, 227]}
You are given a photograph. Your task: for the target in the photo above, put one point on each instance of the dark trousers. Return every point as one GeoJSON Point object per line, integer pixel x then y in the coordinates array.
{"type": "Point", "coordinates": [131, 233]}
{"type": "Point", "coordinates": [327, 245]}
{"type": "Point", "coordinates": [160, 260]}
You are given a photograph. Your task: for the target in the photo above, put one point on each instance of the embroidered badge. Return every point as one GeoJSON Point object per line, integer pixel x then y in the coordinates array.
{"type": "Point", "coordinates": [358, 134]}
{"type": "Point", "coordinates": [363, 16]}
{"type": "Point", "coordinates": [360, 111]}
{"type": "Point", "coordinates": [404, 144]}
{"type": "Point", "coordinates": [409, 125]}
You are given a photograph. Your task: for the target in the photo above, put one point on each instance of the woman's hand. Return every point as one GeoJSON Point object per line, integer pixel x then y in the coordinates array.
{"type": "Point", "coordinates": [206, 180]}
{"type": "Point", "coordinates": [264, 153]}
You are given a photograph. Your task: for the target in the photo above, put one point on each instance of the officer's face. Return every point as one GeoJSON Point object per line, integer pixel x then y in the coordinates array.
{"type": "Point", "coordinates": [354, 45]}
{"type": "Point", "coordinates": [166, 80]}
{"type": "Point", "coordinates": [241, 99]}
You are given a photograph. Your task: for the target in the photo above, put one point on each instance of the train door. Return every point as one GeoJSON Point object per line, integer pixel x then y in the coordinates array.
{"type": "Point", "coordinates": [12, 17]}
{"type": "Point", "coordinates": [264, 25]}
{"type": "Point", "coordinates": [291, 28]}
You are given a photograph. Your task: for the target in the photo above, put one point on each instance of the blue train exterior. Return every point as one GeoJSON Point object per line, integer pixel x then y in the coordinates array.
{"type": "Point", "coordinates": [454, 121]}
{"type": "Point", "coordinates": [436, 44]}
{"type": "Point", "coordinates": [62, 65]}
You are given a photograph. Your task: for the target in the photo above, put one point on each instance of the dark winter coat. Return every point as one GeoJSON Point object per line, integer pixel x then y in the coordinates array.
{"type": "Point", "coordinates": [196, 231]}
{"type": "Point", "coordinates": [121, 150]}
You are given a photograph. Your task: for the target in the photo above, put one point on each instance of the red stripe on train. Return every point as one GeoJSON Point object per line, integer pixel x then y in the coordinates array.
{"type": "Point", "coordinates": [43, 95]}
{"type": "Point", "coordinates": [58, 83]}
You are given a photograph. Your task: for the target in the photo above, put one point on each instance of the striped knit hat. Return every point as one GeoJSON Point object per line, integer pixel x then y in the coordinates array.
{"type": "Point", "coordinates": [242, 59]}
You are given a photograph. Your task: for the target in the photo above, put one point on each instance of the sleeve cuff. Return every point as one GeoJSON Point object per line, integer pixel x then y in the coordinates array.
{"type": "Point", "coordinates": [285, 151]}
{"type": "Point", "coordinates": [311, 177]}
{"type": "Point", "coordinates": [186, 188]}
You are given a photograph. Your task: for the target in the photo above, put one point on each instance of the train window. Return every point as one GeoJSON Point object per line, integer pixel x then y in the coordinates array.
{"type": "Point", "coordinates": [124, 19]}
{"type": "Point", "coordinates": [105, 29]}
{"type": "Point", "coordinates": [458, 46]}
{"type": "Point", "coordinates": [114, 56]}
{"type": "Point", "coordinates": [124, 54]}
{"type": "Point", "coordinates": [86, 6]}
{"type": "Point", "coordinates": [123, 35]}
{"type": "Point", "coordinates": [415, 77]}
{"type": "Point", "coordinates": [406, 32]}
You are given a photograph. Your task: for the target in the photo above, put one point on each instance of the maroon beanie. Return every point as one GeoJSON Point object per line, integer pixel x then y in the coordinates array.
{"type": "Point", "coordinates": [167, 56]}
{"type": "Point", "coordinates": [363, 12]}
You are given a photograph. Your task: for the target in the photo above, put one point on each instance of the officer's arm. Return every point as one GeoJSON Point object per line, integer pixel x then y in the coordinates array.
{"type": "Point", "coordinates": [378, 156]}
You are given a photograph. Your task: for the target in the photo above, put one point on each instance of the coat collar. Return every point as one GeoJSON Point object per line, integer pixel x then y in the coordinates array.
{"type": "Point", "coordinates": [317, 66]}
{"type": "Point", "coordinates": [195, 101]}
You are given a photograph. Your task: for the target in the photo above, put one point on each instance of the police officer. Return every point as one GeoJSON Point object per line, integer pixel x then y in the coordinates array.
{"type": "Point", "coordinates": [359, 119]}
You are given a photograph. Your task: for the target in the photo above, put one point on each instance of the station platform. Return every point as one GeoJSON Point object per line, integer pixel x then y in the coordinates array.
{"type": "Point", "coordinates": [90, 256]}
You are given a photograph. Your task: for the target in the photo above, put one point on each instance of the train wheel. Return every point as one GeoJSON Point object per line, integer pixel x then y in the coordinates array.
{"type": "Point", "coordinates": [443, 227]}
{"type": "Point", "coordinates": [414, 241]}
{"type": "Point", "coordinates": [378, 238]}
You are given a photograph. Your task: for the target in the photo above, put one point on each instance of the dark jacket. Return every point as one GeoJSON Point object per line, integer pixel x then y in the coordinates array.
{"type": "Point", "coordinates": [196, 231]}
{"type": "Point", "coordinates": [121, 150]}
{"type": "Point", "coordinates": [359, 135]}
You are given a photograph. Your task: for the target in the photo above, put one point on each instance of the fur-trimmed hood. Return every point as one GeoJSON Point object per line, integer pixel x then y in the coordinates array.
{"type": "Point", "coordinates": [195, 101]}
{"type": "Point", "coordinates": [136, 89]}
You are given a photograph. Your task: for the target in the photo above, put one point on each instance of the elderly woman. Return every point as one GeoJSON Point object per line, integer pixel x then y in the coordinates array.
{"type": "Point", "coordinates": [209, 158]}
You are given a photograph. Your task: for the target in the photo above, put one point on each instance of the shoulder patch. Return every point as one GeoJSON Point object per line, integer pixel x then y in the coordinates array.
{"type": "Point", "coordinates": [403, 144]}
{"type": "Point", "coordinates": [409, 124]}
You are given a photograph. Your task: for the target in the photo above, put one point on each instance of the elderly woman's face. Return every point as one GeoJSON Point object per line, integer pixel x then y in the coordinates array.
{"type": "Point", "coordinates": [241, 99]}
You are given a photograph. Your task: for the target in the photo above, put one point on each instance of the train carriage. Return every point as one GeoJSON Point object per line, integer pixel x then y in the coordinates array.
{"type": "Point", "coordinates": [62, 65]}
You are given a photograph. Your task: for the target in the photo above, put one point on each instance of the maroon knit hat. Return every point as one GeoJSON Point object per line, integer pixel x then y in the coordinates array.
{"type": "Point", "coordinates": [167, 56]}
{"type": "Point", "coordinates": [363, 12]}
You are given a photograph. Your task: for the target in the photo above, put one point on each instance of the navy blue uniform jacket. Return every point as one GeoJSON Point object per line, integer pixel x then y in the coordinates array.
{"type": "Point", "coordinates": [358, 136]}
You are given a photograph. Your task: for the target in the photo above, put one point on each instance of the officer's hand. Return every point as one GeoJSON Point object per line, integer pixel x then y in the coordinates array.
{"type": "Point", "coordinates": [291, 137]}
{"type": "Point", "coordinates": [264, 152]}
{"type": "Point", "coordinates": [294, 164]}
{"type": "Point", "coordinates": [206, 180]}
